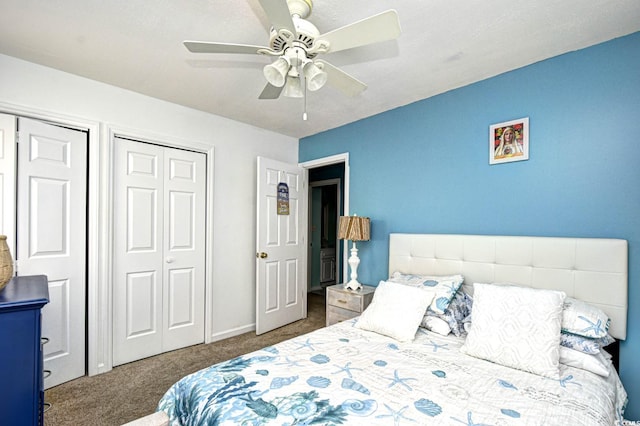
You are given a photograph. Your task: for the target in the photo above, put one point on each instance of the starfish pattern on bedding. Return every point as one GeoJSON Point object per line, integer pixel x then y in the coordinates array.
{"type": "Point", "coordinates": [347, 369]}
{"type": "Point", "coordinates": [396, 415]}
{"type": "Point", "coordinates": [436, 346]}
{"type": "Point", "coordinates": [287, 361]}
{"type": "Point", "coordinates": [564, 381]}
{"type": "Point", "coordinates": [469, 421]}
{"type": "Point", "coordinates": [307, 344]}
{"type": "Point", "coordinates": [396, 380]}
{"type": "Point", "coordinates": [596, 327]}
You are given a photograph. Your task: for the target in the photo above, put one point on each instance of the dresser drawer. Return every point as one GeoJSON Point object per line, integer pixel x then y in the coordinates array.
{"type": "Point", "coordinates": [344, 301]}
{"type": "Point", "coordinates": [336, 314]}
{"type": "Point", "coordinates": [346, 304]}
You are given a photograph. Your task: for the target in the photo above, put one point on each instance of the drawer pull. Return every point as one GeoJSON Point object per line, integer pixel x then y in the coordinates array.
{"type": "Point", "coordinates": [341, 301]}
{"type": "Point", "coordinates": [47, 406]}
{"type": "Point", "coordinates": [46, 374]}
{"type": "Point", "coordinates": [44, 340]}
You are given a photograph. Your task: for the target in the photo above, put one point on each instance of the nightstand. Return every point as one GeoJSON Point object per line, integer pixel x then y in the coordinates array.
{"type": "Point", "coordinates": [344, 304]}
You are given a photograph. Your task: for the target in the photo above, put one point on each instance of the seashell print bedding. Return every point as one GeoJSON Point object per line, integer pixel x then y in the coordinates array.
{"type": "Point", "coordinates": [343, 375]}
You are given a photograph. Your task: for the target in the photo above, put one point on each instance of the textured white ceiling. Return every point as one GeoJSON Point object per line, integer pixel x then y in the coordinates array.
{"type": "Point", "coordinates": [445, 44]}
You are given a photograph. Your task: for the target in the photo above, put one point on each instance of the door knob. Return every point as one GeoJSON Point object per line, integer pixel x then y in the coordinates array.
{"type": "Point", "coordinates": [170, 259]}
{"type": "Point", "coordinates": [261, 255]}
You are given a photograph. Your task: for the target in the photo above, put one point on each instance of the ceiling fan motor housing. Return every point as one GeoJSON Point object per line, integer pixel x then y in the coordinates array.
{"type": "Point", "coordinates": [306, 35]}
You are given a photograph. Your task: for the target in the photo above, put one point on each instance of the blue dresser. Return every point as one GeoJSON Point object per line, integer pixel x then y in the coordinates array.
{"type": "Point", "coordinates": [21, 375]}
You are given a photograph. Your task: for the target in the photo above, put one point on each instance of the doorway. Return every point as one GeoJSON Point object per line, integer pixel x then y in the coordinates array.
{"type": "Point", "coordinates": [326, 205]}
{"type": "Point", "coordinates": [324, 211]}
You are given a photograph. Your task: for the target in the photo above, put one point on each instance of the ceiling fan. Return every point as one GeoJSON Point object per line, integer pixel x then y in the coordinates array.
{"type": "Point", "coordinates": [295, 43]}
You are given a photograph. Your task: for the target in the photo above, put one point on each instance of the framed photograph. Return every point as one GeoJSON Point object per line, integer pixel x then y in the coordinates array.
{"type": "Point", "coordinates": [509, 141]}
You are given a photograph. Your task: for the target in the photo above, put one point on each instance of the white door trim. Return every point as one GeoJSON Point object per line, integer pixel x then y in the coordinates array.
{"type": "Point", "coordinates": [8, 177]}
{"type": "Point", "coordinates": [327, 161]}
{"type": "Point", "coordinates": [104, 329]}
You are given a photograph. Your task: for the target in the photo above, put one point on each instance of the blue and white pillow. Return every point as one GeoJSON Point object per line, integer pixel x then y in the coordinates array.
{"type": "Point", "coordinates": [444, 287]}
{"type": "Point", "coordinates": [585, 344]}
{"type": "Point", "coordinates": [459, 309]}
{"type": "Point", "coordinates": [583, 319]}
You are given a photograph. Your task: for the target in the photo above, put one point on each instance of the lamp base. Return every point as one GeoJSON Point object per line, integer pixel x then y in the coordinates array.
{"type": "Point", "coordinates": [354, 261]}
{"type": "Point", "coordinates": [353, 285]}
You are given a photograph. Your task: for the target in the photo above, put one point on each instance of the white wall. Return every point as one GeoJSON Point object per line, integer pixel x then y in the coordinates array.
{"type": "Point", "coordinates": [28, 87]}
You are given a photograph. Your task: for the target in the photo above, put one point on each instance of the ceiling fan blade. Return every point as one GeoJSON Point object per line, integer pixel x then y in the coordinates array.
{"type": "Point", "coordinates": [339, 79]}
{"type": "Point", "coordinates": [382, 27]}
{"type": "Point", "coordinates": [279, 14]}
{"type": "Point", "coordinates": [208, 47]}
{"type": "Point", "coordinates": [271, 92]}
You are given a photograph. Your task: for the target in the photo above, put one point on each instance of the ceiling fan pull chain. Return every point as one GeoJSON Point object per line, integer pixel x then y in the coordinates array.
{"type": "Point", "coordinates": [302, 75]}
{"type": "Point", "coordinates": [304, 114]}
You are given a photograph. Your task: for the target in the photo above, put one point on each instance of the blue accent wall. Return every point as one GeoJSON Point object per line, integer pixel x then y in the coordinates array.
{"type": "Point", "coordinates": [424, 168]}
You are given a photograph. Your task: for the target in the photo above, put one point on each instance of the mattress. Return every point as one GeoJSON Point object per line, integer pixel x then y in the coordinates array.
{"type": "Point", "coordinates": [345, 375]}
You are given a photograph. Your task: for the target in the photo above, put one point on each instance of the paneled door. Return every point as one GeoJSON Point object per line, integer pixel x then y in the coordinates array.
{"type": "Point", "coordinates": [281, 282]}
{"type": "Point", "coordinates": [51, 237]}
{"type": "Point", "coordinates": [159, 249]}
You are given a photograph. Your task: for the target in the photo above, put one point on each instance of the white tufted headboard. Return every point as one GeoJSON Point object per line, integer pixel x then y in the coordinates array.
{"type": "Point", "coordinates": [591, 269]}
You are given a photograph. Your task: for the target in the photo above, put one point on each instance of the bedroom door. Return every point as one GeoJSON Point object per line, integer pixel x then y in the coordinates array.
{"type": "Point", "coordinates": [159, 273]}
{"type": "Point", "coordinates": [281, 257]}
{"type": "Point", "coordinates": [51, 237]}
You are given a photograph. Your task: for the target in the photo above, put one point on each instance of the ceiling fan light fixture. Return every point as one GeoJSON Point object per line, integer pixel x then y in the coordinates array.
{"type": "Point", "coordinates": [276, 73]}
{"type": "Point", "coordinates": [293, 87]}
{"type": "Point", "coordinates": [314, 76]}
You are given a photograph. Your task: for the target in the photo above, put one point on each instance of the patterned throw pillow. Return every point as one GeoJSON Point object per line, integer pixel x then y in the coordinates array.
{"type": "Point", "coordinates": [584, 319]}
{"type": "Point", "coordinates": [455, 314]}
{"type": "Point", "coordinates": [444, 287]}
{"type": "Point", "coordinates": [517, 327]}
{"type": "Point", "coordinates": [585, 344]}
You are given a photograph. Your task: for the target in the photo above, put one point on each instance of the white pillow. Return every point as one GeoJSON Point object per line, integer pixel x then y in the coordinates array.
{"type": "Point", "coordinates": [518, 327]}
{"type": "Point", "coordinates": [395, 311]}
{"type": "Point", "coordinates": [596, 364]}
{"type": "Point", "coordinates": [435, 324]}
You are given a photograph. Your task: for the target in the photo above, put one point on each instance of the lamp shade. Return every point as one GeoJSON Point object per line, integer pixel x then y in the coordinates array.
{"type": "Point", "coordinates": [276, 72]}
{"type": "Point", "coordinates": [354, 228]}
{"type": "Point", "coordinates": [315, 77]}
{"type": "Point", "coordinates": [293, 87]}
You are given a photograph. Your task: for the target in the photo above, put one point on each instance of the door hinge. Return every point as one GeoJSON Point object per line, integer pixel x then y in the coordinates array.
{"type": "Point", "coordinates": [17, 136]}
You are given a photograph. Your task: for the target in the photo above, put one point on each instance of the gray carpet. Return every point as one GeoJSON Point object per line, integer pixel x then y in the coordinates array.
{"type": "Point", "coordinates": [132, 390]}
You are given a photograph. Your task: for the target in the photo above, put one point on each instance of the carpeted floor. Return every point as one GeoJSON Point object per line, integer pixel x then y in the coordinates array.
{"type": "Point", "coordinates": [132, 390]}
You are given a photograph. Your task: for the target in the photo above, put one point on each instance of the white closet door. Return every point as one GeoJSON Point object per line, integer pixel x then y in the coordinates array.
{"type": "Point", "coordinates": [137, 278]}
{"type": "Point", "coordinates": [159, 249]}
{"type": "Point", "coordinates": [184, 247]}
{"type": "Point", "coordinates": [52, 174]}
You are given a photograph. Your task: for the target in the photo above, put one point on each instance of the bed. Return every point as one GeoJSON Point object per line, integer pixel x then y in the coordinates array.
{"type": "Point", "coordinates": [385, 368]}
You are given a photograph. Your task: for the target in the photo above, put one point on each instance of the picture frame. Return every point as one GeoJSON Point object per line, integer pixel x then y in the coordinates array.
{"type": "Point", "coordinates": [509, 141]}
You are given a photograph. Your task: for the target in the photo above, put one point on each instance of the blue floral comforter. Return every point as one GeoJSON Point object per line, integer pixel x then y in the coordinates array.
{"type": "Point", "coordinates": [343, 375]}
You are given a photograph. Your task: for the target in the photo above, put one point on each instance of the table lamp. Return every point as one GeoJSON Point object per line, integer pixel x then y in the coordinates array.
{"type": "Point", "coordinates": [354, 228]}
